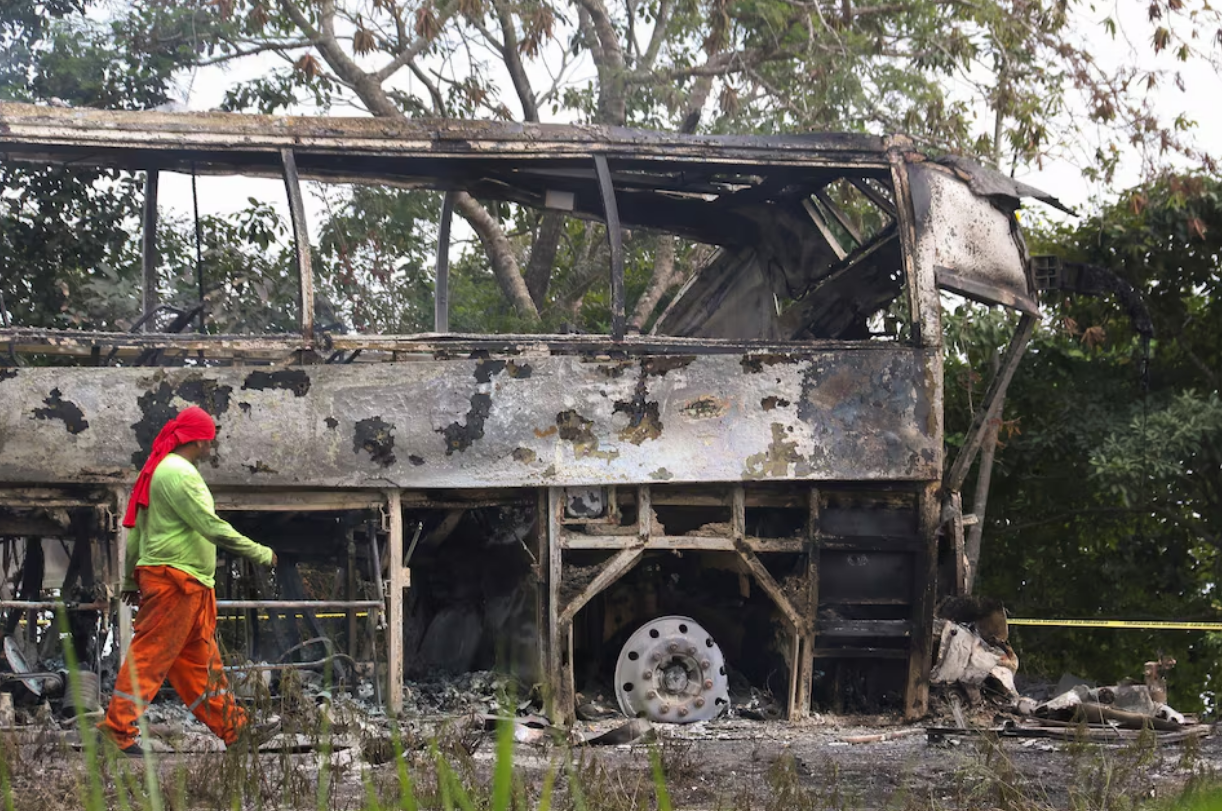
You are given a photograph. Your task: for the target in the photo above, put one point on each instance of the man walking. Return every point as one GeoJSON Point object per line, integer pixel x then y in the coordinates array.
{"type": "Point", "coordinates": [170, 574]}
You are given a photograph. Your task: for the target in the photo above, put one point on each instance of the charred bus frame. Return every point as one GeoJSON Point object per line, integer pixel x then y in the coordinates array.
{"type": "Point", "coordinates": [760, 389]}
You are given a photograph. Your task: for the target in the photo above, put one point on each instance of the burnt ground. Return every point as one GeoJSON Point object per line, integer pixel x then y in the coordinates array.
{"type": "Point", "coordinates": [731, 763]}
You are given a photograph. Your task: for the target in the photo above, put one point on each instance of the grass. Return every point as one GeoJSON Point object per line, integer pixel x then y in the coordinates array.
{"type": "Point", "coordinates": [400, 770]}
{"type": "Point", "coordinates": [444, 775]}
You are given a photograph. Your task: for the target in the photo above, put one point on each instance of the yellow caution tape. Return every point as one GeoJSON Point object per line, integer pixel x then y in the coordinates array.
{"type": "Point", "coordinates": [1144, 625]}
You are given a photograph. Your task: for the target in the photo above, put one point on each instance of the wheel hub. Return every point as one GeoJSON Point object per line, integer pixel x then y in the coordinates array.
{"type": "Point", "coordinates": [671, 670]}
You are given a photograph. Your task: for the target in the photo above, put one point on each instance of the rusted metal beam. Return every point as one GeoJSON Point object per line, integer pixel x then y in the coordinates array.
{"type": "Point", "coordinates": [866, 628]}
{"type": "Point", "coordinates": [953, 482]}
{"type": "Point", "coordinates": [670, 543]}
{"type": "Point", "coordinates": [821, 223]}
{"type": "Point", "coordinates": [14, 527]}
{"type": "Point", "coordinates": [806, 673]}
{"type": "Point", "coordinates": [768, 583]}
{"type": "Point", "coordinates": [615, 568]}
{"type": "Point", "coordinates": [148, 252]}
{"type": "Point", "coordinates": [924, 305]}
{"type": "Point", "coordinates": [615, 240]}
{"type": "Point", "coordinates": [838, 214]}
{"type": "Point", "coordinates": [301, 243]}
{"type": "Point", "coordinates": [262, 499]}
{"type": "Point", "coordinates": [46, 134]}
{"type": "Point", "coordinates": [924, 589]}
{"type": "Point", "coordinates": [874, 195]}
{"type": "Point", "coordinates": [441, 294]}
{"type": "Point", "coordinates": [425, 345]}
{"type": "Point", "coordinates": [558, 640]}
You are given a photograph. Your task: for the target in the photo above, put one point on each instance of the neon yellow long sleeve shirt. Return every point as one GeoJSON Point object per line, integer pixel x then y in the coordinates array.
{"type": "Point", "coordinates": [180, 527]}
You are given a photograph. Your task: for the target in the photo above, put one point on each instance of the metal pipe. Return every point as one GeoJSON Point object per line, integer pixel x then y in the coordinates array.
{"type": "Point", "coordinates": [615, 239]}
{"type": "Point", "coordinates": [50, 605]}
{"type": "Point", "coordinates": [243, 604]}
{"type": "Point", "coordinates": [301, 244]}
{"type": "Point", "coordinates": [290, 665]}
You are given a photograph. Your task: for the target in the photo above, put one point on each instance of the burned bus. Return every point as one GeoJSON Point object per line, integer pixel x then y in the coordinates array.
{"type": "Point", "coordinates": [753, 492]}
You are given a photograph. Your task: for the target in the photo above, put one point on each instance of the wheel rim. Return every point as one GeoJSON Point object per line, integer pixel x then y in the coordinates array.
{"type": "Point", "coordinates": [672, 671]}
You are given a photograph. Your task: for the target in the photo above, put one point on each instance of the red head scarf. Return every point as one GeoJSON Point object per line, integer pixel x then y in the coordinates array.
{"type": "Point", "coordinates": [190, 425]}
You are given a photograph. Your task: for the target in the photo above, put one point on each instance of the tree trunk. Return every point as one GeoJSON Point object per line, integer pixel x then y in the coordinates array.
{"type": "Point", "coordinates": [984, 477]}
{"type": "Point", "coordinates": [664, 277]}
{"type": "Point", "coordinates": [500, 253]}
{"type": "Point", "coordinates": [543, 257]}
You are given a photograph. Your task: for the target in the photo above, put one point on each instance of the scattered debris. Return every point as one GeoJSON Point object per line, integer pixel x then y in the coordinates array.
{"type": "Point", "coordinates": [965, 658]}
{"type": "Point", "coordinates": [637, 730]}
{"type": "Point", "coordinates": [880, 736]}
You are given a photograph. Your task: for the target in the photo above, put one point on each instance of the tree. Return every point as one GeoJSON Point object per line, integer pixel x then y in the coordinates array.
{"type": "Point", "coordinates": [63, 227]}
{"type": "Point", "coordinates": [718, 65]}
{"type": "Point", "coordinates": [1106, 497]}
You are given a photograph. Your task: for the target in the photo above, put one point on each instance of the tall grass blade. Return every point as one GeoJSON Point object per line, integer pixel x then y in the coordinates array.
{"type": "Point", "coordinates": [502, 780]}
{"type": "Point", "coordinates": [659, 779]}
{"type": "Point", "coordinates": [4, 776]}
{"type": "Point", "coordinates": [407, 792]}
{"type": "Point", "coordinates": [94, 800]}
{"type": "Point", "coordinates": [578, 796]}
{"type": "Point", "coordinates": [549, 783]}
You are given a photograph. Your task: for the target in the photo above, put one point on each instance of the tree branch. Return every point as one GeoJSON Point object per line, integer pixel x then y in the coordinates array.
{"type": "Point", "coordinates": [513, 61]}
{"type": "Point", "coordinates": [658, 38]}
{"type": "Point", "coordinates": [418, 46]}
{"type": "Point", "coordinates": [279, 47]}
{"type": "Point", "coordinates": [609, 61]}
{"type": "Point", "coordinates": [370, 91]}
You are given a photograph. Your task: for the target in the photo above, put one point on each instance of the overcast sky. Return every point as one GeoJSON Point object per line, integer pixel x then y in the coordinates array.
{"type": "Point", "coordinates": [1201, 102]}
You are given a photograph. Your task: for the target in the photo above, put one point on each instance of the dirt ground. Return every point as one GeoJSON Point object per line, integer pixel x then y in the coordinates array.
{"type": "Point", "coordinates": [730, 763]}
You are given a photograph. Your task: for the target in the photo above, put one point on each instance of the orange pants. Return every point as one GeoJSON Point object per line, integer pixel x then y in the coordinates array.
{"type": "Point", "coordinates": [174, 636]}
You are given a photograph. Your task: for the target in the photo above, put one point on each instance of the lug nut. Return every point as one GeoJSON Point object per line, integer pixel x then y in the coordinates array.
{"type": "Point", "coordinates": [652, 694]}
{"type": "Point", "coordinates": [699, 702]}
{"type": "Point", "coordinates": [691, 651]}
{"type": "Point", "coordinates": [708, 684]}
{"type": "Point", "coordinates": [648, 674]}
{"type": "Point", "coordinates": [664, 709]}
{"type": "Point", "coordinates": [705, 664]}
{"type": "Point", "coordinates": [672, 647]}
{"type": "Point", "coordinates": [683, 712]}
{"type": "Point", "coordinates": [655, 657]}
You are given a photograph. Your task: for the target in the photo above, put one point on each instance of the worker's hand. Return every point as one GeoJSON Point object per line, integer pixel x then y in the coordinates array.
{"type": "Point", "coordinates": [131, 598]}
{"type": "Point", "coordinates": [275, 560]}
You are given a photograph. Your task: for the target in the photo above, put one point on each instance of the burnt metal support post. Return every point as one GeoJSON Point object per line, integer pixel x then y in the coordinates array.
{"type": "Point", "coordinates": [615, 239]}
{"type": "Point", "coordinates": [926, 317]}
{"type": "Point", "coordinates": [301, 241]}
{"type": "Point", "coordinates": [619, 565]}
{"type": "Point", "coordinates": [559, 640]}
{"type": "Point", "coordinates": [398, 581]}
{"type": "Point", "coordinates": [441, 295]}
{"type": "Point", "coordinates": [120, 570]}
{"type": "Point", "coordinates": [997, 389]}
{"type": "Point", "coordinates": [148, 245]}
{"type": "Point", "coordinates": [806, 664]}
{"type": "Point", "coordinates": [350, 594]}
